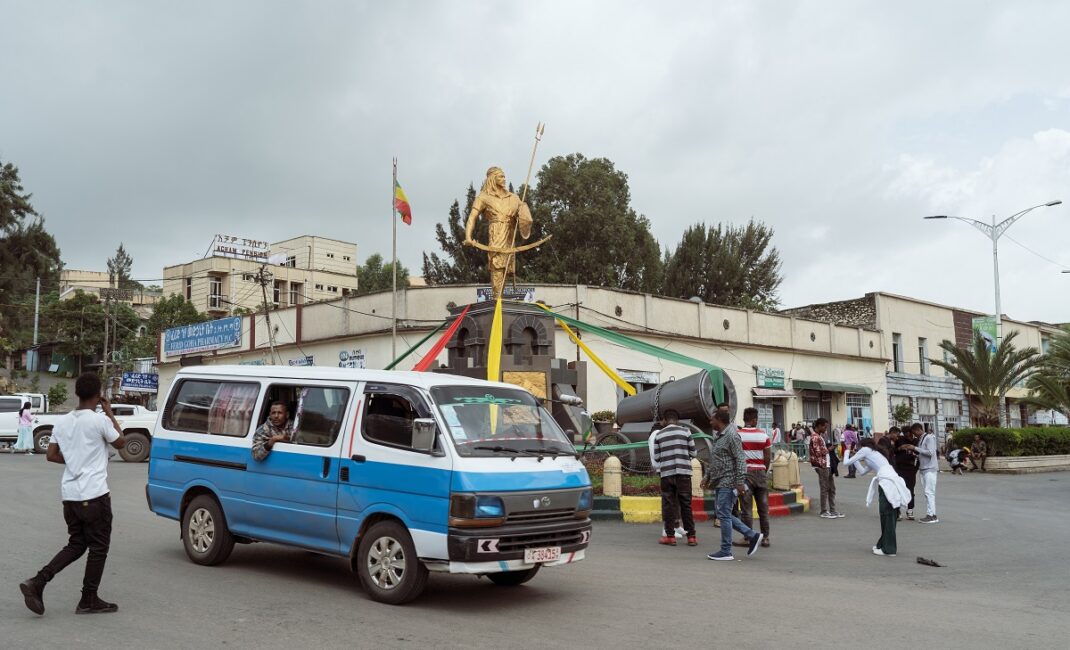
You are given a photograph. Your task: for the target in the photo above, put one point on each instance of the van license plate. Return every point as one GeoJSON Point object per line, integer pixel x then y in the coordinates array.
{"type": "Point", "coordinates": [549, 554]}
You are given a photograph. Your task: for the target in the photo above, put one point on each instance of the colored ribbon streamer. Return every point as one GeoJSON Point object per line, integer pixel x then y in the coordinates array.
{"type": "Point", "coordinates": [625, 386]}
{"type": "Point", "coordinates": [494, 359]}
{"type": "Point", "coordinates": [716, 374]}
{"type": "Point", "coordinates": [425, 364]}
{"type": "Point", "coordinates": [406, 354]}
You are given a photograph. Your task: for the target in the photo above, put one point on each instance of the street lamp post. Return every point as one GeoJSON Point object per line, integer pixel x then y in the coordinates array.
{"type": "Point", "coordinates": [994, 232]}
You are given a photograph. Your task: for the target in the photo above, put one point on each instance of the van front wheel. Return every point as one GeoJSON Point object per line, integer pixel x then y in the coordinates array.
{"type": "Point", "coordinates": [204, 532]}
{"type": "Point", "coordinates": [513, 578]}
{"type": "Point", "coordinates": [387, 564]}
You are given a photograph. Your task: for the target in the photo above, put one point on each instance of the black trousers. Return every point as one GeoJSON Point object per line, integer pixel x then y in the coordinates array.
{"type": "Point", "coordinates": [676, 504]}
{"type": "Point", "coordinates": [89, 528]}
{"type": "Point", "coordinates": [910, 477]}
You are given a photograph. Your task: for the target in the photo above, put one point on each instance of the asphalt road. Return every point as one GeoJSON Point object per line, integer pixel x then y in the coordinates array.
{"type": "Point", "coordinates": [1003, 539]}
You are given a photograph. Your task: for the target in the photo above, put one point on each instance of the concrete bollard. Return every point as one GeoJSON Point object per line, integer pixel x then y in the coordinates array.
{"type": "Point", "coordinates": [696, 478]}
{"type": "Point", "coordinates": [611, 477]}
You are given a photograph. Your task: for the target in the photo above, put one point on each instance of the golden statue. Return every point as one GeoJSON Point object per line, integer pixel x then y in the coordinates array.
{"type": "Point", "coordinates": [506, 215]}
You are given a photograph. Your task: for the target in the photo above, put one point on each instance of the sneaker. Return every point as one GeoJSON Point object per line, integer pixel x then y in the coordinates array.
{"type": "Point", "coordinates": [910, 515]}
{"type": "Point", "coordinates": [32, 591]}
{"type": "Point", "coordinates": [754, 543]}
{"type": "Point", "coordinates": [692, 541]}
{"type": "Point", "coordinates": [877, 551]}
{"type": "Point", "coordinates": [720, 556]}
{"type": "Point", "coordinates": [680, 532]}
{"type": "Point", "coordinates": [929, 519]}
{"type": "Point", "coordinates": [667, 540]}
{"type": "Point", "coordinates": [94, 605]}
{"type": "Point", "coordinates": [827, 515]}
{"type": "Point", "coordinates": [837, 514]}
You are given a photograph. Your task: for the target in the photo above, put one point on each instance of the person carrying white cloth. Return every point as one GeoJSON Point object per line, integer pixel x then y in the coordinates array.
{"type": "Point", "coordinates": [887, 485]}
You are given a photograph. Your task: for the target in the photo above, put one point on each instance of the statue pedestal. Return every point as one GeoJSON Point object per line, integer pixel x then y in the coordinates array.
{"type": "Point", "coordinates": [528, 356]}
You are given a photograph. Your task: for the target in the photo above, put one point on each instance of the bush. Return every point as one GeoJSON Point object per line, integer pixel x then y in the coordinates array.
{"type": "Point", "coordinates": [1027, 441]}
{"type": "Point", "coordinates": [603, 416]}
{"type": "Point", "coordinates": [57, 395]}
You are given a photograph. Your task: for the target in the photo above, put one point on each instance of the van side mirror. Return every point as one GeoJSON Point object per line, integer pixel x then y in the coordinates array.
{"type": "Point", "coordinates": [424, 431]}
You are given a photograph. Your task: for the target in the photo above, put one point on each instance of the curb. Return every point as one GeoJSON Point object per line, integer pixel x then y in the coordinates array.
{"type": "Point", "coordinates": [647, 510]}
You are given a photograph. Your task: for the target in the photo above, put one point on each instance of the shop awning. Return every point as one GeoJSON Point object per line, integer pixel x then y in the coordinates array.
{"type": "Point", "coordinates": [772, 392]}
{"type": "Point", "coordinates": [830, 386]}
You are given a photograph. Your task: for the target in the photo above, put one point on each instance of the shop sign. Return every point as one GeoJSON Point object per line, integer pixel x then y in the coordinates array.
{"type": "Point", "coordinates": [139, 382]}
{"type": "Point", "coordinates": [351, 358]}
{"type": "Point", "coordinates": [301, 361]}
{"type": "Point", "coordinates": [988, 328]}
{"type": "Point", "coordinates": [202, 337]}
{"type": "Point", "coordinates": [519, 294]}
{"type": "Point", "coordinates": [770, 377]}
{"type": "Point", "coordinates": [240, 248]}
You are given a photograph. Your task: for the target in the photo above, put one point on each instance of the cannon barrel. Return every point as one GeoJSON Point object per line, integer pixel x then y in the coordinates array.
{"type": "Point", "coordinates": [691, 397]}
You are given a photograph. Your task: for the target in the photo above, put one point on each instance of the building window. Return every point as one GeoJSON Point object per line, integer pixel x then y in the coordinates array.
{"type": "Point", "coordinates": [331, 289]}
{"type": "Point", "coordinates": [926, 413]}
{"type": "Point", "coordinates": [276, 292]}
{"type": "Point", "coordinates": [952, 410]}
{"type": "Point", "coordinates": [189, 288]}
{"type": "Point", "coordinates": [1045, 344]}
{"type": "Point", "coordinates": [345, 258]}
{"type": "Point", "coordinates": [923, 356]}
{"type": "Point", "coordinates": [291, 261]}
{"type": "Point", "coordinates": [948, 357]}
{"type": "Point", "coordinates": [859, 409]}
{"type": "Point", "coordinates": [295, 293]}
{"type": "Point", "coordinates": [215, 292]}
{"type": "Point", "coordinates": [897, 352]}
{"type": "Point", "coordinates": [319, 287]}
{"type": "Point", "coordinates": [330, 255]}
{"type": "Point", "coordinates": [248, 277]}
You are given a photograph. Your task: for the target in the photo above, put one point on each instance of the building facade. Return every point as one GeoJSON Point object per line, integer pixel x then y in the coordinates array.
{"type": "Point", "coordinates": [792, 369]}
{"type": "Point", "coordinates": [71, 280]}
{"type": "Point", "coordinates": [310, 269]}
{"type": "Point", "coordinates": [911, 331]}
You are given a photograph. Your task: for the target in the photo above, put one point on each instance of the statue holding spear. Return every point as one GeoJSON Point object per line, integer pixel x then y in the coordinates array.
{"type": "Point", "coordinates": [507, 214]}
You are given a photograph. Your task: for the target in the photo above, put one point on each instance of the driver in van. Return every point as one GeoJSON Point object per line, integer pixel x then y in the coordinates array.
{"type": "Point", "coordinates": [277, 428]}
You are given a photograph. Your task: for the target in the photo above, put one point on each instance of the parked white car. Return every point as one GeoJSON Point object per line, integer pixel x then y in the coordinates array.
{"type": "Point", "coordinates": [9, 422]}
{"type": "Point", "coordinates": [138, 423]}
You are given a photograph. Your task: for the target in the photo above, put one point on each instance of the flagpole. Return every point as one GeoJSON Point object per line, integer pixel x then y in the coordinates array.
{"type": "Point", "coordinates": [394, 266]}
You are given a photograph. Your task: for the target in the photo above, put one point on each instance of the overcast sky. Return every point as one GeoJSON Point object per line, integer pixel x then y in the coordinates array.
{"type": "Point", "coordinates": [840, 124]}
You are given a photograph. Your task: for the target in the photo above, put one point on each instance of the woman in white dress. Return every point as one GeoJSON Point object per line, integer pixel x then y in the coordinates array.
{"type": "Point", "coordinates": [886, 485]}
{"type": "Point", "coordinates": [25, 440]}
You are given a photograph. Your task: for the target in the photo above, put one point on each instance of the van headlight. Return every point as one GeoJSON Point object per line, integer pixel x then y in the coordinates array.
{"type": "Point", "coordinates": [476, 511]}
{"type": "Point", "coordinates": [583, 508]}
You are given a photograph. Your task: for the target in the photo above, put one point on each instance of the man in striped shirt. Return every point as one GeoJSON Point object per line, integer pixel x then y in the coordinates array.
{"type": "Point", "coordinates": [671, 451]}
{"type": "Point", "coordinates": [757, 448]}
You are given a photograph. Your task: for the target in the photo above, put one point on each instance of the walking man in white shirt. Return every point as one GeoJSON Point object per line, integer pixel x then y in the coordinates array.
{"type": "Point", "coordinates": [79, 442]}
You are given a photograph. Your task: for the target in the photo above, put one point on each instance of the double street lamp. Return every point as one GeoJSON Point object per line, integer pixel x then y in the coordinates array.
{"type": "Point", "coordinates": [994, 232]}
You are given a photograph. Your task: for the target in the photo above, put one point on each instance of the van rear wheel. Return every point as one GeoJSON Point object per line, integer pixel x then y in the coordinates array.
{"type": "Point", "coordinates": [204, 532]}
{"type": "Point", "coordinates": [513, 578]}
{"type": "Point", "coordinates": [387, 565]}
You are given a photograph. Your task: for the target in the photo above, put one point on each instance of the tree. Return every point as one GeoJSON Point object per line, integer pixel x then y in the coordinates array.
{"type": "Point", "coordinates": [726, 265]}
{"type": "Point", "coordinates": [1049, 388]}
{"type": "Point", "coordinates": [585, 205]}
{"type": "Point", "coordinates": [375, 276]}
{"type": "Point", "coordinates": [598, 239]}
{"type": "Point", "coordinates": [119, 269]}
{"type": "Point", "coordinates": [902, 413]}
{"type": "Point", "coordinates": [459, 264]}
{"type": "Point", "coordinates": [989, 375]}
{"type": "Point", "coordinates": [27, 252]}
{"type": "Point", "coordinates": [57, 395]}
{"type": "Point", "coordinates": [172, 311]}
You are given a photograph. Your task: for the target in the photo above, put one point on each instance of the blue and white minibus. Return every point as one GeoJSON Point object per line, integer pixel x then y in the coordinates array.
{"type": "Point", "coordinates": [402, 473]}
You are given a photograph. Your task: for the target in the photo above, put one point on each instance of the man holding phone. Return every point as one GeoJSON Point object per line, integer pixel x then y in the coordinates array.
{"type": "Point", "coordinates": [79, 442]}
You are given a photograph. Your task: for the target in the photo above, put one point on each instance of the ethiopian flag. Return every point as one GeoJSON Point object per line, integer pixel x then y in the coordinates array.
{"type": "Point", "coordinates": [401, 204]}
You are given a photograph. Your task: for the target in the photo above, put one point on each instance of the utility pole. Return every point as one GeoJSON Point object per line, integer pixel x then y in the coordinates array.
{"type": "Point", "coordinates": [107, 305]}
{"type": "Point", "coordinates": [37, 311]}
{"type": "Point", "coordinates": [263, 276]}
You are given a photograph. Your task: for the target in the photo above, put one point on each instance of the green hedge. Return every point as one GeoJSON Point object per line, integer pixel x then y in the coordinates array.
{"type": "Point", "coordinates": [1028, 441]}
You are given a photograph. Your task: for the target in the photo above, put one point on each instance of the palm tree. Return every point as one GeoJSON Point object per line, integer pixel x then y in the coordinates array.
{"type": "Point", "coordinates": [989, 375]}
{"type": "Point", "coordinates": [1049, 388]}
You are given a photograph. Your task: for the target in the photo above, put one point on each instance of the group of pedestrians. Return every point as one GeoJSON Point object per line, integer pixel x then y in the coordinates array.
{"type": "Point", "coordinates": [739, 476]}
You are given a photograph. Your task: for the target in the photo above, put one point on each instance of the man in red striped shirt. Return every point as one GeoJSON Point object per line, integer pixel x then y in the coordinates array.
{"type": "Point", "coordinates": [757, 448]}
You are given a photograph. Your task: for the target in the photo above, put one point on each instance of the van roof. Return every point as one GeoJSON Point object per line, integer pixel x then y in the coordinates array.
{"type": "Point", "coordinates": [421, 379]}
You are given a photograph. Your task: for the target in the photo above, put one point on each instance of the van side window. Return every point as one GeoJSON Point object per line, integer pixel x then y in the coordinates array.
{"type": "Point", "coordinates": [317, 412]}
{"type": "Point", "coordinates": [216, 407]}
{"type": "Point", "coordinates": [388, 416]}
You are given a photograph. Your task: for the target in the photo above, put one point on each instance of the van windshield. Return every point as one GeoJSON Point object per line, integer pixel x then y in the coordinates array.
{"type": "Point", "coordinates": [498, 421]}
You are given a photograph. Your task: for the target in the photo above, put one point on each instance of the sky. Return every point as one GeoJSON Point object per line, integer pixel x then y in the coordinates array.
{"type": "Point", "coordinates": [840, 124]}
